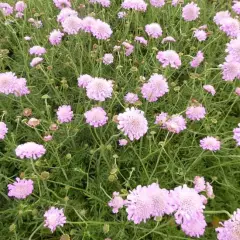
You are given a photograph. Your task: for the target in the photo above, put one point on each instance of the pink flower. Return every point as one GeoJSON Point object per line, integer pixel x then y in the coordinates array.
{"type": "Point", "coordinates": [54, 217]}
{"type": "Point", "coordinates": [236, 134]}
{"type": "Point", "coordinates": [199, 184]}
{"type": "Point", "coordinates": [230, 26]}
{"type": "Point", "coordinates": [65, 114]}
{"type": "Point", "coordinates": [210, 143]}
{"type": "Point", "coordinates": [196, 113]}
{"type": "Point", "coordinates": [88, 23]}
{"type": "Point", "coordinates": [3, 130]}
{"type": "Point", "coordinates": [175, 124]}
{"type": "Point", "coordinates": [37, 50]}
{"type": "Point", "coordinates": [55, 37]}
{"type": "Point", "coordinates": [169, 57]}
{"type": "Point", "coordinates": [236, 7]}
{"type": "Point", "coordinates": [27, 38]}
{"type": "Point", "coordinates": [30, 150]}
{"type": "Point", "coordinates": [168, 39]}
{"type": "Point", "coordinates": [6, 9]}
{"type": "Point", "coordinates": [122, 142]}
{"type": "Point", "coordinates": [21, 88]}
{"type": "Point", "coordinates": [122, 15]}
{"type": "Point", "coordinates": [230, 70]}
{"type": "Point", "coordinates": [132, 123]}
{"type": "Point", "coordinates": [175, 2]}
{"type": "Point", "coordinates": [7, 82]}
{"type": "Point", "coordinates": [161, 119]}
{"type": "Point", "coordinates": [108, 58]}
{"type": "Point", "coordinates": [84, 80]}
{"type": "Point", "coordinates": [131, 98]}
{"type": "Point", "coordinates": [62, 4]}
{"type": "Point", "coordinates": [129, 48]}
{"type": "Point", "coordinates": [96, 117]}
{"type": "Point", "coordinates": [20, 6]}
{"type": "Point", "coordinates": [190, 12]}
{"type": "Point", "coordinates": [220, 16]}
{"type": "Point", "coordinates": [237, 91]}
{"type": "Point", "coordinates": [141, 40]}
{"type": "Point", "coordinates": [209, 191]}
{"type": "Point", "coordinates": [116, 202]}
{"type": "Point", "coordinates": [71, 25]}
{"type": "Point", "coordinates": [99, 89]}
{"type": "Point", "coordinates": [20, 189]}
{"type": "Point", "coordinates": [233, 49]}
{"type": "Point", "coordinates": [153, 30]}
{"type": "Point", "coordinates": [47, 138]}
{"type": "Point", "coordinates": [104, 3]}
{"type": "Point", "coordinates": [197, 60]}
{"type": "Point", "coordinates": [201, 35]}
{"type": "Point", "coordinates": [19, 15]}
{"type": "Point", "coordinates": [210, 89]}
{"type": "Point", "coordinates": [35, 61]}
{"type": "Point", "coordinates": [157, 3]}
{"type": "Point", "coordinates": [138, 5]}
{"type": "Point", "coordinates": [101, 30]}
{"type": "Point", "coordinates": [65, 13]}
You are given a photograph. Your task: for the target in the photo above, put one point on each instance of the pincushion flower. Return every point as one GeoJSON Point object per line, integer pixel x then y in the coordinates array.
{"type": "Point", "coordinates": [168, 39]}
{"type": "Point", "coordinates": [209, 191]}
{"type": "Point", "coordinates": [54, 217]}
{"type": "Point", "coordinates": [35, 61]}
{"type": "Point", "coordinates": [190, 12]}
{"type": "Point", "coordinates": [20, 87]}
{"type": "Point", "coordinates": [122, 142]}
{"type": "Point", "coordinates": [65, 114]}
{"type": "Point", "coordinates": [37, 50]}
{"type": "Point", "coordinates": [84, 80]}
{"type": "Point", "coordinates": [108, 58]}
{"type": "Point", "coordinates": [20, 6]}
{"type": "Point", "coordinates": [196, 113]}
{"type": "Point", "coordinates": [138, 5]}
{"type": "Point", "coordinates": [71, 25]}
{"type": "Point", "coordinates": [197, 60]}
{"type": "Point", "coordinates": [87, 24]}
{"type": "Point", "coordinates": [201, 35]}
{"type": "Point", "coordinates": [199, 184]}
{"type": "Point", "coordinates": [19, 15]}
{"type": "Point", "coordinates": [96, 117]}
{"type": "Point", "coordinates": [175, 124]}
{"type": "Point", "coordinates": [30, 150]}
{"type": "Point", "coordinates": [129, 48]}
{"type": "Point", "coordinates": [230, 70]}
{"type": "Point", "coordinates": [131, 98]}
{"type": "Point", "coordinates": [62, 4]}
{"type": "Point", "coordinates": [116, 202]}
{"type": "Point", "coordinates": [122, 15]}
{"type": "Point", "coordinates": [3, 130]}
{"type": "Point", "coordinates": [169, 57]}
{"type": "Point", "coordinates": [157, 3]}
{"type": "Point", "coordinates": [65, 13]}
{"type": "Point", "coordinates": [153, 30]}
{"type": "Point", "coordinates": [104, 3]}
{"type": "Point", "coordinates": [99, 89]}
{"type": "Point", "coordinates": [175, 2]}
{"type": "Point", "coordinates": [133, 123]}
{"type": "Point", "coordinates": [236, 134]}
{"type": "Point", "coordinates": [6, 9]}
{"type": "Point", "coordinates": [230, 26]}
{"type": "Point", "coordinates": [210, 143]}
{"type": "Point", "coordinates": [20, 189]}
{"type": "Point", "coordinates": [161, 119]}
{"type": "Point", "coordinates": [101, 30]}
{"type": "Point", "coordinates": [55, 37]}
{"type": "Point", "coordinates": [233, 49]}
{"type": "Point", "coordinates": [210, 89]}
{"type": "Point", "coordinates": [220, 16]}
{"type": "Point", "coordinates": [7, 82]}
{"type": "Point", "coordinates": [141, 40]}
{"type": "Point", "coordinates": [236, 7]}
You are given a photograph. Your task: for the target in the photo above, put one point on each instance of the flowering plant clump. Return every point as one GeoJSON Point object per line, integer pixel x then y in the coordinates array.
{"type": "Point", "coordinates": [120, 119]}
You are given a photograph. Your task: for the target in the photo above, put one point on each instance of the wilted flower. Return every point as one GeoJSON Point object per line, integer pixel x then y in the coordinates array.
{"type": "Point", "coordinates": [33, 122]}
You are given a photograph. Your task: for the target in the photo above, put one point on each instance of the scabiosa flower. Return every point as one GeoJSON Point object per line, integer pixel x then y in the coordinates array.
{"type": "Point", "coordinates": [37, 50]}
{"type": "Point", "coordinates": [84, 80]}
{"type": "Point", "coordinates": [129, 48]}
{"type": "Point", "coordinates": [104, 3]}
{"type": "Point", "coordinates": [131, 98]}
{"type": "Point", "coordinates": [190, 12]}
{"type": "Point", "coordinates": [157, 3]}
{"type": "Point", "coordinates": [168, 39]}
{"type": "Point", "coordinates": [30, 150]}
{"type": "Point", "coordinates": [99, 89]}
{"type": "Point", "coordinates": [197, 60]}
{"type": "Point", "coordinates": [229, 229]}
{"type": "Point", "coordinates": [236, 7]}
{"type": "Point", "coordinates": [139, 205]}
{"type": "Point", "coordinates": [33, 122]}
{"type": "Point", "coordinates": [20, 6]}
{"type": "Point", "coordinates": [196, 113]}
{"type": "Point", "coordinates": [141, 40]}
{"type": "Point", "coordinates": [209, 191]}
{"type": "Point", "coordinates": [101, 30]}
{"type": "Point", "coordinates": [20, 189]}
{"type": "Point", "coordinates": [7, 82]}
{"type": "Point", "coordinates": [19, 15]}
{"type": "Point", "coordinates": [55, 37]}
{"type": "Point", "coordinates": [233, 49]}
{"type": "Point", "coordinates": [155, 88]}
{"type": "Point", "coordinates": [87, 24]}
{"type": "Point", "coordinates": [230, 26]}
{"type": "Point", "coordinates": [47, 138]}
{"type": "Point", "coordinates": [54, 217]}
{"type": "Point", "coordinates": [210, 143]}
{"type": "Point", "coordinates": [108, 58]}
{"type": "Point", "coordinates": [21, 88]}
{"type": "Point", "coordinates": [236, 134]}
{"type": "Point", "coordinates": [169, 57]}
{"type": "Point", "coordinates": [6, 9]}
{"type": "Point", "coordinates": [3, 130]}
{"type": "Point", "coordinates": [161, 119]}
{"type": "Point", "coordinates": [122, 142]}
{"type": "Point", "coordinates": [138, 5]}
{"type": "Point", "coordinates": [176, 124]}
{"type": "Point", "coordinates": [132, 123]}
{"type": "Point", "coordinates": [62, 4]}
{"type": "Point", "coordinates": [96, 117]}
{"type": "Point", "coordinates": [116, 202]}
{"type": "Point", "coordinates": [122, 15]}
{"type": "Point", "coordinates": [210, 89]}
{"type": "Point", "coordinates": [27, 38]}
{"type": "Point", "coordinates": [65, 114]}
{"type": "Point", "coordinates": [35, 61]}
{"type": "Point", "coordinates": [65, 13]}
{"type": "Point", "coordinates": [175, 2]}
{"type": "Point", "coordinates": [153, 30]}
{"type": "Point", "coordinates": [199, 184]}
{"type": "Point", "coordinates": [230, 70]}
{"type": "Point", "coordinates": [220, 16]}
{"type": "Point", "coordinates": [201, 35]}
{"type": "Point", "coordinates": [71, 25]}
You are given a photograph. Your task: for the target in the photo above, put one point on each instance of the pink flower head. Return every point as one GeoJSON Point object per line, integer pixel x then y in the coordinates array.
{"type": "Point", "coordinates": [6, 9]}
{"type": "Point", "coordinates": [88, 23]}
{"type": "Point", "coordinates": [84, 80]}
{"type": "Point", "coordinates": [210, 89]}
{"type": "Point", "coordinates": [196, 113]}
{"type": "Point", "coordinates": [230, 26]}
{"type": "Point", "coordinates": [65, 13]}
{"type": "Point", "coordinates": [201, 35]}
{"type": "Point", "coordinates": [20, 6]}
{"type": "Point", "coordinates": [157, 3]}
{"type": "Point", "coordinates": [54, 217]}
{"type": "Point", "coordinates": [55, 37]}
{"type": "Point", "coordinates": [116, 202]}
{"type": "Point", "coordinates": [229, 229]}
{"type": "Point", "coordinates": [209, 191]}
{"type": "Point", "coordinates": [220, 16]}
{"type": "Point", "coordinates": [71, 25]}
{"type": "Point", "coordinates": [122, 15]}
{"type": "Point", "coordinates": [190, 12]}
{"type": "Point", "coordinates": [175, 2]}
{"type": "Point", "coordinates": [7, 82]}
{"type": "Point", "coordinates": [122, 142]}
{"type": "Point", "coordinates": [153, 30]}
{"type": "Point", "coordinates": [65, 114]}
{"type": "Point", "coordinates": [199, 184]}
{"type": "Point", "coordinates": [233, 49]}
{"type": "Point", "coordinates": [210, 143]}
{"type": "Point", "coordinates": [27, 38]}
{"type": "Point", "coordinates": [230, 70]}
{"type": "Point", "coordinates": [108, 58]}
{"type": "Point", "coordinates": [30, 150]}
{"type": "Point", "coordinates": [101, 30]}
{"type": "Point", "coordinates": [139, 204]}
{"type": "Point", "coordinates": [138, 5]}
{"type": "Point", "coordinates": [37, 50]}
{"type": "Point", "coordinates": [99, 89]}
{"type": "Point", "coordinates": [19, 15]}
{"type": "Point", "coordinates": [131, 98]}
{"type": "Point", "coordinates": [62, 4]}
{"type": "Point", "coordinates": [141, 40]}
{"type": "Point", "coordinates": [35, 61]}
{"type": "Point", "coordinates": [129, 48]}
{"type": "Point", "coordinates": [132, 123]}
{"type": "Point", "coordinates": [168, 39]}
{"type": "Point", "coordinates": [176, 124]}
{"type": "Point", "coordinates": [20, 189]}
{"type": "Point", "coordinates": [3, 130]}
{"type": "Point", "coordinates": [236, 134]}
{"type": "Point", "coordinates": [47, 138]}
{"type": "Point", "coordinates": [155, 88]}
{"type": "Point", "coordinates": [169, 57]}
{"type": "Point", "coordinates": [161, 119]}
{"type": "Point", "coordinates": [96, 117]}
{"type": "Point", "coordinates": [237, 91]}
{"type": "Point", "coordinates": [236, 7]}
{"type": "Point", "coordinates": [104, 3]}
{"type": "Point", "coordinates": [21, 88]}
{"type": "Point", "coordinates": [197, 60]}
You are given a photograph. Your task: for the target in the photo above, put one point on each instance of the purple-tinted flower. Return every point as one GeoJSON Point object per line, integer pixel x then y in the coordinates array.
{"type": "Point", "coordinates": [131, 98]}
{"type": "Point", "coordinates": [157, 3]}
{"type": "Point", "coordinates": [176, 124]}
{"type": "Point", "coordinates": [30, 150]}
{"type": "Point", "coordinates": [199, 184]}
{"type": "Point", "coordinates": [96, 117]}
{"type": "Point", "coordinates": [201, 35]}
{"type": "Point", "coordinates": [210, 143]}
{"type": "Point", "coordinates": [190, 12]}
{"type": "Point", "coordinates": [62, 4]}
{"type": "Point", "coordinates": [209, 191]}
{"type": "Point", "coordinates": [37, 50]}
{"type": "Point", "coordinates": [19, 15]}
{"type": "Point", "coordinates": [71, 25]}
{"type": "Point", "coordinates": [35, 61]}
{"type": "Point", "coordinates": [6, 9]}
{"type": "Point", "coordinates": [129, 48]}
{"type": "Point", "coordinates": [88, 23]}
{"type": "Point", "coordinates": [122, 142]}
{"type": "Point", "coordinates": [220, 16]}
{"type": "Point", "coordinates": [122, 15]}
{"type": "Point", "coordinates": [161, 119]}
{"type": "Point", "coordinates": [175, 2]}
{"type": "Point", "coordinates": [196, 113]}
{"type": "Point", "coordinates": [230, 70]}
{"type": "Point", "coordinates": [197, 60]}
{"type": "Point", "coordinates": [169, 57]}
{"type": "Point", "coordinates": [55, 37]}
{"type": "Point", "coordinates": [20, 6]}
{"type": "Point", "coordinates": [65, 114]}
{"type": "Point", "coordinates": [101, 30]}
{"type": "Point", "coordinates": [236, 134]}
{"type": "Point", "coordinates": [65, 13]}
{"type": "Point", "coordinates": [21, 88]}
{"type": "Point", "coordinates": [230, 26]}
{"type": "Point", "coordinates": [84, 80]}
{"type": "Point", "coordinates": [116, 202]}
{"type": "Point", "coordinates": [153, 30]}
{"type": "Point", "coordinates": [138, 5]}
{"type": "Point", "coordinates": [236, 7]}
{"type": "Point", "coordinates": [210, 89]}
{"type": "Point", "coordinates": [104, 3]}
{"type": "Point", "coordinates": [7, 82]}
{"type": "Point", "coordinates": [168, 39]}
{"type": "Point", "coordinates": [141, 40]}
{"type": "Point", "coordinates": [108, 58]}
{"type": "Point", "coordinates": [3, 130]}
{"type": "Point", "coordinates": [233, 49]}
